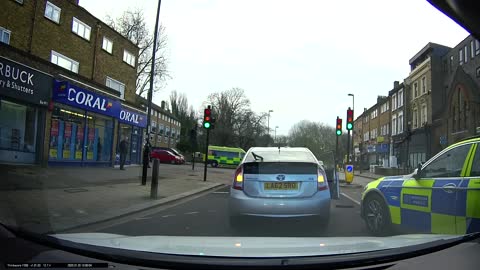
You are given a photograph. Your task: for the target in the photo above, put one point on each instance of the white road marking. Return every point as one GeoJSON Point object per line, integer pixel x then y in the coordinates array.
{"type": "Point", "coordinates": [191, 213]}
{"type": "Point", "coordinates": [169, 216]}
{"type": "Point", "coordinates": [141, 218]}
{"type": "Point", "coordinates": [220, 192]}
{"type": "Point", "coordinates": [350, 198]}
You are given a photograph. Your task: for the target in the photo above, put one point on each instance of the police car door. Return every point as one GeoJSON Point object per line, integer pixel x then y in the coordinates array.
{"type": "Point", "coordinates": [471, 221]}
{"type": "Point", "coordinates": [429, 204]}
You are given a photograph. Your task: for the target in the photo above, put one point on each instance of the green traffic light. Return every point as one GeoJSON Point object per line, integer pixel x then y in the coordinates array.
{"type": "Point", "coordinates": [206, 125]}
{"type": "Point", "coordinates": [349, 126]}
{"type": "Point", "coordinates": [339, 132]}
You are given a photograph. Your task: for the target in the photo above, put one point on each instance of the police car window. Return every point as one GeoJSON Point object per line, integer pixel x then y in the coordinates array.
{"type": "Point", "coordinates": [449, 164]}
{"type": "Point", "coordinates": [476, 163]}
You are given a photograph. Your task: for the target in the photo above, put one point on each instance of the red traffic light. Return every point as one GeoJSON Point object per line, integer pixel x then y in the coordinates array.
{"type": "Point", "coordinates": [207, 112]}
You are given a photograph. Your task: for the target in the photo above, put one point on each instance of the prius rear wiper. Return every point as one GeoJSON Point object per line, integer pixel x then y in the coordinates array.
{"type": "Point", "coordinates": [257, 157]}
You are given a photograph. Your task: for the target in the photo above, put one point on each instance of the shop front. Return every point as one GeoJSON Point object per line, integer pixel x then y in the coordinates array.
{"type": "Point", "coordinates": [131, 125]}
{"type": "Point", "coordinates": [82, 126]}
{"type": "Point", "coordinates": [24, 96]}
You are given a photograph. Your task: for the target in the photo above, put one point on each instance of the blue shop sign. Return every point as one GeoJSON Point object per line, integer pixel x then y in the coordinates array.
{"type": "Point", "coordinates": [131, 117]}
{"type": "Point", "coordinates": [75, 96]}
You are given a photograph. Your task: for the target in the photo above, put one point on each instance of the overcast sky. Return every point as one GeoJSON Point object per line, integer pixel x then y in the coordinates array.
{"type": "Point", "coordinates": [298, 58]}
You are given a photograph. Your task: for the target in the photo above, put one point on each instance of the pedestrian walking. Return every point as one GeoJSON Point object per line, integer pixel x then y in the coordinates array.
{"type": "Point", "coordinates": [123, 147]}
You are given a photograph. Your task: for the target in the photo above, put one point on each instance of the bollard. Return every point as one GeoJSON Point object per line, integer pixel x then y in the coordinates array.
{"type": "Point", "coordinates": [154, 187]}
{"type": "Point", "coordinates": [145, 167]}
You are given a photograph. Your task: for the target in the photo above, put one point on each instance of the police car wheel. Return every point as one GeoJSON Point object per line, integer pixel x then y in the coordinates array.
{"type": "Point", "coordinates": [377, 216]}
{"type": "Point", "coordinates": [214, 164]}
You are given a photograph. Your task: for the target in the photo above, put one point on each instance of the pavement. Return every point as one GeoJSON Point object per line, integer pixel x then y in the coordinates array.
{"type": "Point", "coordinates": [63, 198]}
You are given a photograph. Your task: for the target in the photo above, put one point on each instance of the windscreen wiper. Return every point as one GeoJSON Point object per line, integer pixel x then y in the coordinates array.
{"type": "Point", "coordinates": [257, 157]}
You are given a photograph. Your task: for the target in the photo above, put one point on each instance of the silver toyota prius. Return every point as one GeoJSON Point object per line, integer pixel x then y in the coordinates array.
{"type": "Point", "coordinates": [279, 183]}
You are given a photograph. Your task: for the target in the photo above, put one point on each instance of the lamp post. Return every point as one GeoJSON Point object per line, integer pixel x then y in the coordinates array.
{"type": "Point", "coordinates": [353, 108]}
{"type": "Point", "coordinates": [275, 138]}
{"type": "Point", "coordinates": [268, 121]}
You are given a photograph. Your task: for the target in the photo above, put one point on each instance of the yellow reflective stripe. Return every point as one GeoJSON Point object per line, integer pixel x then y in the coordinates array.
{"type": "Point", "coordinates": [473, 198]}
{"type": "Point", "coordinates": [372, 185]}
{"type": "Point", "coordinates": [395, 214]}
{"type": "Point", "coordinates": [421, 188]}
{"type": "Point", "coordinates": [441, 223]}
{"type": "Point", "coordinates": [461, 225]}
{"type": "Point", "coordinates": [467, 165]}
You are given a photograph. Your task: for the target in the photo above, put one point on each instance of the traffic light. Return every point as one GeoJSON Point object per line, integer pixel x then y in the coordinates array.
{"type": "Point", "coordinates": [349, 119]}
{"type": "Point", "coordinates": [207, 118]}
{"type": "Point", "coordinates": [339, 126]}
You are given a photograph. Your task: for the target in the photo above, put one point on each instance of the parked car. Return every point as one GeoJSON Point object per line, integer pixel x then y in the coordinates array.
{"type": "Point", "coordinates": [279, 183]}
{"type": "Point", "coordinates": [173, 151]}
{"type": "Point", "coordinates": [165, 156]}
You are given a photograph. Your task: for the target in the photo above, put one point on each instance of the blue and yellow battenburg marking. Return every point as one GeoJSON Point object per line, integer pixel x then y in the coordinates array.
{"type": "Point", "coordinates": [425, 207]}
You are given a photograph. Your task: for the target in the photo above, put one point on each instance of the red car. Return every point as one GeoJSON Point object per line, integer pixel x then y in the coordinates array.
{"type": "Point", "coordinates": [165, 156]}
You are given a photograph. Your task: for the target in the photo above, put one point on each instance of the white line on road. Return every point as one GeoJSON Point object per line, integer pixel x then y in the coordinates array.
{"type": "Point", "coordinates": [169, 216]}
{"type": "Point", "coordinates": [191, 213]}
{"type": "Point", "coordinates": [220, 192]}
{"type": "Point", "coordinates": [350, 198]}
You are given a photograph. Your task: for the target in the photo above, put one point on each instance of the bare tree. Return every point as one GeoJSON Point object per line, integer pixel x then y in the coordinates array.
{"type": "Point", "coordinates": [132, 26]}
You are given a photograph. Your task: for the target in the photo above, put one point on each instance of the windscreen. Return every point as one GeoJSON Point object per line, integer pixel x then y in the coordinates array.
{"type": "Point", "coordinates": [256, 127]}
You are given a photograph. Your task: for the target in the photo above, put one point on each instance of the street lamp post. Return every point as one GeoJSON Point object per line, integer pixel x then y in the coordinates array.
{"type": "Point", "coordinates": [268, 121]}
{"type": "Point", "coordinates": [146, 149]}
{"type": "Point", "coordinates": [353, 108]}
{"type": "Point", "coordinates": [275, 138]}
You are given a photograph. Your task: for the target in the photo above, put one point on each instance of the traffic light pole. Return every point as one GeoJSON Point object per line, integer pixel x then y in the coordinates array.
{"type": "Point", "coordinates": [206, 157]}
{"type": "Point", "coordinates": [348, 147]}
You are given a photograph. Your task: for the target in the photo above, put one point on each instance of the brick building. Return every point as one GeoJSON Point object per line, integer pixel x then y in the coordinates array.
{"type": "Point", "coordinates": [165, 126]}
{"type": "Point", "coordinates": [398, 126]}
{"type": "Point", "coordinates": [426, 101]}
{"type": "Point", "coordinates": [85, 103]}
{"type": "Point", "coordinates": [460, 116]}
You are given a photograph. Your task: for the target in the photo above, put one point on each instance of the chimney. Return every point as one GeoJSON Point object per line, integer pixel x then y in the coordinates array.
{"type": "Point", "coordinates": [163, 105]}
{"type": "Point", "coordinates": [396, 84]}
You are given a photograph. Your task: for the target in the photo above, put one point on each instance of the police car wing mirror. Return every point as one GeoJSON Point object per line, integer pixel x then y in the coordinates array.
{"type": "Point", "coordinates": [417, 174]}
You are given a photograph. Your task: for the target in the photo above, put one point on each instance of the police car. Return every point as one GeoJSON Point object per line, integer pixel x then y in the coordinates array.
{"type": "Point", "coordinates": [440, 196]}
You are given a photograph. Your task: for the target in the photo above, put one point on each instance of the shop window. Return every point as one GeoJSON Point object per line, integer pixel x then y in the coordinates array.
{"type": "Point", "coordinates": [18, 127]}
{"type": "Point", "coordinates": [99, 138]}
{"type": "Point", "coordinates": [67, 134]}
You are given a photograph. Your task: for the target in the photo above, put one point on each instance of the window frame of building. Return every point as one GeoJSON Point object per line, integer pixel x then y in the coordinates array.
{"type": "Point", "coordinates": [4, 31]}
{"type": "Point", "coordinates": [477, 47]}
{"type": "Point", "coordinates": [466, 53]}
{"type": "Point", "coordinates": [128, 58]}
{"type": "Point", "coordinates": [65, 58]}
{"type": "Point", "coordinates": [54, 8]}
{"type": "Point", "coordinates": [424, 84]}
{"type": "Point", "coordinates": [460, 56]}
{"type": "Point", "coordinates": [394, 124]}
{"type": "Point", "coordinates": [400, 98]}
{"type": "Point", "coordinates": [394, 101]}
{"type": "Point", "coordinates": [423, 114]}
{"type": "Point", "coordinates": [415, 89]}
{"type": "Point", "coordinates": [105, 45]}
{"type": "Point", "coordinates": [121, 86]}
{"type": "Point", "coordinates": [399, 128]}
{"type": "Point", "coordinates": [87, 30]}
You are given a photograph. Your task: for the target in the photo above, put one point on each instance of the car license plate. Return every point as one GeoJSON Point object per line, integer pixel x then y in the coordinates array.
{"type": "Point", "coordinates": [280, 186]}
